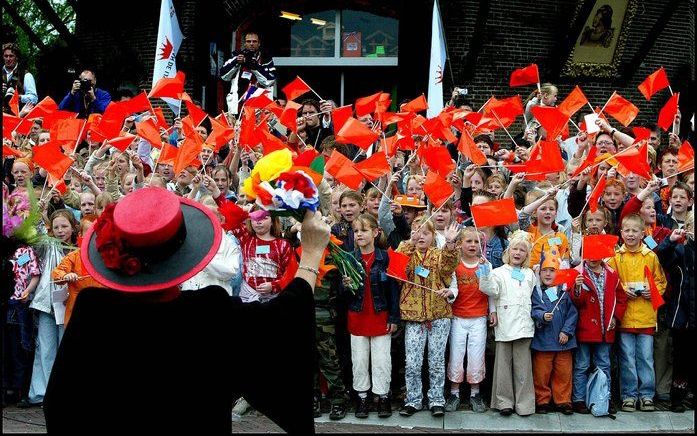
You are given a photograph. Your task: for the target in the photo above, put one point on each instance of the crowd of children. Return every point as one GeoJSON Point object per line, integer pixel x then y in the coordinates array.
{"type": "Point", "coordinates": [484, 307]}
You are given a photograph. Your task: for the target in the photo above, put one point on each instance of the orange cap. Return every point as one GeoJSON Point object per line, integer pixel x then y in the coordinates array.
{"type": "Point", "coordinates": [551, 259]}
{"type": "Point", "coordinates": [409, 201]}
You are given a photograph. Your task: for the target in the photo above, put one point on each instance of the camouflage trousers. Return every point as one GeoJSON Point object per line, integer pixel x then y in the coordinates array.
{"type": "Point", "coordinates": [328, 359]}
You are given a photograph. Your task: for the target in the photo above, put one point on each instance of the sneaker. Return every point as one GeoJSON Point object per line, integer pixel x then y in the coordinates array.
{"type": "Point", "coordinates": [337, 412]}
{"type": "Point", "coordinates": [542, 409]}
{"type": "Point", "coordinates": [565, 408]}
{"type": "Point", "coordinates": [580, 407]}
{"type": "Point", "coordinates": [362, 409]}
{"type": "Point", "coordinates": [628, 405]}
{"type": "Point", "coordinates": [241, 407]}
{"type": "Point", "coordinates": [384, 408]}
{"type": "Point", "coordinates": [316, 406]}
{"type": "Point", "coordinates": [506, 412]}
{"type": "Point", "coordinates": [437, 411]}
{"type": "Point", "coordinates": [407, 410]}
{"type": "Point", "coordinates": [452, 403]}
{"type": "Point", "coordinates": [646, 405]}
{"type": "Point", "coordinates": [477, 403]}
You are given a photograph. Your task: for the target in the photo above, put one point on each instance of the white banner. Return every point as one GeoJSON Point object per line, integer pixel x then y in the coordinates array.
{"type": "Point", "coordinates": [169, 38]}
{"type": "Point", "coordinates": [436, 68]}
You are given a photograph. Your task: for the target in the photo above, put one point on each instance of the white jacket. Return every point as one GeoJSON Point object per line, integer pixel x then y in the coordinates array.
{"type": "Point", "coordinates": [513, 301]}
{"type": "Point", "coordinates": [223, 267]}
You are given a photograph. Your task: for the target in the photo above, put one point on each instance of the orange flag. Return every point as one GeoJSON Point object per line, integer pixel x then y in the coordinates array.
{"type": "Point", "coordinates": [289, 116]}
{"type": "Point", "coordinates": [43, 108]}
{"type": "Point", "coordinates": [656, 297]}
{"type": "Point", "coordinates": [437, 158]}
{"type": "Point", "coordinates": [357, 133]}
{"type": "Point", "coordinates": [667, 114]}
{"type": "Point", "coordinates": [168, 155]}
{"type": "Point", "coordinates": [545, 158]}
{"type": "Point", "coordinates": [437, 189]}
{"type": "Point", "coordinates": [573, 102]}
{"type": "Point", "coordinates": [8, 151]}
{"type": "Point", "coordinates": [590, 160]}
{"type": "Point", "coordinates": [296, 88]}
{"type": "Point", "coordinates": [343, 170]}
{"type": "Point", "coordinates": [190, 149]}
{"type": "Point", "coordinates": [566, 277]}
{"type": "Point", "coordinates": [397, 266]}
{"type": "Point", "coordinates": [122, 142]}
{"type": "Point", "coordinates": [149, 131]}
{"type": "Point", "coordinates": [621, 109]}
{"type": "Point", "coordinates": [50, 158]}
{"type": "Point", "coordinates": [505, 110]}
{"type": "Point", "coordinates": [9, 123]}
{"type": "Point", "coordinates": [51, 119]}
{"type": "Point", "coordinates": [139, 103]}
{"type": "Point", "coordinates": [195, 112]}
{"type": "Point", "coordinates": [171, 87]}
{"type": "Point", "coordinates": [58, 184]}
{"type": "Point", "coordinates": [14, 103]}
{"type": "Point", "coordinates": [366, 105]}
{"type": "Point", "coordinates": [525, 76]}
{"type": "Point", "coordinates": [598, 190]}
{"type": "Point", "coordinates": [636, 161]}
{"type": "Point", "coordinates": [220, 134]}
{"type": "Point", "coordinates": [383, 103]}
{"type": "Point", "coordinates": [686, 157]}
{"type": "Point", "coordinates": [599, 247]}
{"type": "Point", "coordinates": [339, 117]}
{"type": "Point", "coordinates": [494, 213]}
{"type": "Point", "coordinates": [258, 102]}
{"type": "Point", "coordinates": [552, 119]}
{"type": "Point", "coordinates": [655, 82]}
{"type": "Point", "coordinates": [374, 167]}
{"type": "Point", "coordinates": [111, 123]}
{"type": "Point", "coordinates": [68, 130]}
{"type": "Point", "coordinates": [161, 120]}
{"type": "Point", "coordinates": [416, 105]}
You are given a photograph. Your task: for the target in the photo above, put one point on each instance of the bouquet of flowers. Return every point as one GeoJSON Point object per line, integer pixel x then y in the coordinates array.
{"type": "Point", "coordinates": [286, 190]}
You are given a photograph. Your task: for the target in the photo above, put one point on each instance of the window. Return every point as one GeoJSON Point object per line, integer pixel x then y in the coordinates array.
{"type": "Point", "coordinates": [366, 35]}
{"type": "Point", "coordinates": [313, 36]}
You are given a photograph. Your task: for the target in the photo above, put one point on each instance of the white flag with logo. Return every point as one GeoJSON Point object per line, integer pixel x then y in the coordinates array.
{"type": "Point", "coordinates": [169, 38]}
{"type": "Point", "coordinates": [437, 65]}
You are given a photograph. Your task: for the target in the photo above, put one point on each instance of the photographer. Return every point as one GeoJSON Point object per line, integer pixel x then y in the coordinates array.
{"type": "Point", "coordinates": [246, 68]}
{"type": "Point", "coordinates": [84, 97]}
{"type": "Point", "coordinates": [16, 79]}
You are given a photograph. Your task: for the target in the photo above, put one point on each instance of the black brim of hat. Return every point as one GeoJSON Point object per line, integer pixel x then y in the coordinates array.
{"type": "Point", "coordinates": [203, 237]}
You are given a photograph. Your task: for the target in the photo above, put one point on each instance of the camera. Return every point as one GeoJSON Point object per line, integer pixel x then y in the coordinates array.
{"type": "Point", "coordinates": [85, 85]}
{"type": "Point", "coordinates": [638, 289]}
{"type": "Point", "coordinates": [663, 182]}
{"type": "Point", "coordinates": [248, 56]}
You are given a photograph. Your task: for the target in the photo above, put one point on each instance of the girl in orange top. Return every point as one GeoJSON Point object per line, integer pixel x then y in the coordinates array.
{"type": "Point", "coordinates": [545, 233]}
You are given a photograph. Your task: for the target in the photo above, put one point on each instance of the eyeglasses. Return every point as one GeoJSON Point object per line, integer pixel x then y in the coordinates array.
{"type": "Point", "coordinates": [308, 113]}
{"type": "Point", "coordinates": [604, 143]}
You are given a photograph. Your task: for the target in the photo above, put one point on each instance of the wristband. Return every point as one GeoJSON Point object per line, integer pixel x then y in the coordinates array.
{"type": "Point", "coordinates": [307, 268]}
{"type": "Point", "coordinates": [612, 133]}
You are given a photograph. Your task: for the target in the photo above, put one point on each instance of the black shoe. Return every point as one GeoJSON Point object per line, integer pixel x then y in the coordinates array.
{"type": "Point", "coordinates": [677, 407]}
{"type": "Point", "coordinates": [612, 409]}
{"type": "Point", "coordinates": [580, 407]}
{"type": "Point", "coordinates": [317, 406]}
{"type": "Point", "coordinates": [565, 408]}
{"type": "Point", "coordinates": [337, 412]}
{"type": "Point", "coordinates": [362, 409]}
{"type": "Point", "coordinates": [437, 411]}
{"type": "Point", "coordinates": [542, 409]}
{"type": "Point", "coordinates": [25, 404]}
{"type": "Point", "coordinates": [407, 410]}
{"type": "Point", "coordinates": [506, 412]}
{"type": "Point", "coordinates": [384, 408]}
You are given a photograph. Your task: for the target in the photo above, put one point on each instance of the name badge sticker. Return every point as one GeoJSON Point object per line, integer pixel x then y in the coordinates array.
{"type": "Point", "coordinates": [554, 241]}
{"type": "Point", "coordinates": [23, 259]}
{"type": "Point", "coordinates": [650, 242]}
{"type": "Point", "coordinates": [517, 274]}
{"type": "Point", "coordinates": [482, 270]}
{"type": "Point", "coordinates": [246, 75]}
{"type": "Point", "coordinates": [263, 249]}
{"type": "Point", "coordinates": [551, 294]}
{"type": "Point", "coordinates": [421, 271]}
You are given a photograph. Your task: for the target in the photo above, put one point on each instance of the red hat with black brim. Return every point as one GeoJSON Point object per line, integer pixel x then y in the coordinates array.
{"type": "Point", "coordinates": [151, 240]}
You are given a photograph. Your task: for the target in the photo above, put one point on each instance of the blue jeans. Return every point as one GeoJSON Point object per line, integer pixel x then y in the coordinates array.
{"type": "Point", "coordinates": [47, 340]}
{"type": "Point", "coordinates": [600, 354]}
{"type": "Point", "coordinates": [637, 378]}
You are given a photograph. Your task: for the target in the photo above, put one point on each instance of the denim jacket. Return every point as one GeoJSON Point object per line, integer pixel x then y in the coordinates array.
{"type": "Point", "coordinates": [384, 289]}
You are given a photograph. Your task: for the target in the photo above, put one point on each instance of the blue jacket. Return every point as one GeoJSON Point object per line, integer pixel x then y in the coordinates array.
{"type": "Point", "coordinates": [384, 288]}
{"type": "Point", "coordinates": [75, 103]}
{"type": "Point", "coordinates": [564, 320]}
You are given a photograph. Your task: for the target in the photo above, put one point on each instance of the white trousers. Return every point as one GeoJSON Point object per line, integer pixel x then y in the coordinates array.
{"type": "Point", "coordinates": [371, 355]}
{"type": "Point", "coordinates": [467, 336]}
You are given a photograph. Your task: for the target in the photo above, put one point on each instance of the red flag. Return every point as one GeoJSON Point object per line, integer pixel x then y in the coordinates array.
{"type": "Point", "coordinates": [494, 213]}
{"type": "Point", "coordinates": [567, 277]}
{"type": "Point", "coordinates": [190, 149]}
{"type": "Point", "coordinates": [505, 110]}
{"type": "Point", "coordinates": [343, 170]}
{"type": "Point", "coordinates": [545, 158]}
{"type": "Point", "coordinates": [68, 130]}
{"type": "Point", "coordinates": [168, 155]}
{"type": "Point", "coordinates": [366, 105]}
{"type": "Point", "coordinates": [43, 108]}
{"type": "Point", "coordinates": [149, 131]}
{"type": "Point", "coordinates": [57, 183]}
{"type": "Point", "coordinates": [686, 157]}
{"type": "Point", "coordinates": [222, 119]}
{"type": "Point", "coordinates": [161, 120]}
{"type": "Point", "coordinates": [416, 105]}
{"type": "Point", "coordinates": [139, 103]}
{"type": "Point", "coordinates": [289, 117]}
{"type": "Point", "coordinates": [437, 189]}
{"type": "Point", "coordinates": [599, 247]}
{"type": "Point", "coordinates": [8, 151]}
{"type": "Point", "coordinates": [397, 266]}
{"type": "Point", "coordinates": [220, 134]}
{"type": "Point", "coordinates": [573, 102]}
{"type": "Point", "coordinates": [195, 112]}
{"type": "Point", "coordinates": [621, 109]}
{"type": "Point", "coordinates": [248, 137]}
{"type": "Point", "coordinates": [183, 96]}
{"type": "Point", "coordinates": [640, 134]}
{"type": "Point", "coordinates": [111, 122]}
{"type": "Point", "coordinates": [9, 123]}
{"type": "Point", "coordinates": [383, 103]}
{"type": "Point", "coordinates": [374, 167]}
{"type": "Point", "coordinates": [296, 88]}
{"type": "Point", "coordinates": [14, 103]}
{"type": "Point", "coordinates": [171, 87]}
{"type": "Point", "coordinates": [51, 119]}
{"type": "Point", "coordinates": [234, 215]}
{"type": "Point", "coordinates": [122, 142]}
{"type": "Point", "coordinates": [656, 297]}
{"type": "Point", "coordinates": [268, 141]}
{"type": "Point", "coordinates": [636, 161]}
{"type": "Point", "coordinates": [525, 76]}
{"type": "Point", "coordinates": [596, 194]}
{"type": "Point", "coordinates": [50, 158]}
{"type": "Point", "coordinates": [305, 158]}
{"type": "Point", "coordinates": [667, 114]}
{"type": "Point", "coordinates": [273, 107]}
{"type": "Point", "coordinates": [655, 82]}
{"type": "Point", "coordinates": [552, 119]}
{"type": "Point", "coordinates": [357, 133]}
{"type": "Point", "coordinates": [339, 117]}
{"type": "Point", "coordinates": [437, 158]}
{"type": "Point", "coordinates": [258, 102]}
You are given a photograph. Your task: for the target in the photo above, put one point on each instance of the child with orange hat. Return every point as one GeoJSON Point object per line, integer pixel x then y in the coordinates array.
{"type": "Point", "coordinates": [555, 319]}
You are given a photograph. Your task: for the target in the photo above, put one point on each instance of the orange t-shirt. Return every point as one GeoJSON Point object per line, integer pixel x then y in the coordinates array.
{"type": "Point", "coordinates": [541, 242]}
{"type": "Point", "coordinates": [470, 301]}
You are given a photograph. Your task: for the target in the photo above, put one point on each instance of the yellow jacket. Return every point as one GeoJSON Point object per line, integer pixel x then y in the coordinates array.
{"type": "Point", "coordinates": [630, 267]}
{"type": "Point", "coordinates": [417, 303]}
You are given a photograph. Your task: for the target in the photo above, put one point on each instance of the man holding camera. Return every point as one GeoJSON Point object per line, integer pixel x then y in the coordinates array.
{"type": "Point", "coordinates": [14, 79]}
{"type": "Point", "coordinates": [84, 97]}
{"type": "Point", "coordinates": [248, 67]}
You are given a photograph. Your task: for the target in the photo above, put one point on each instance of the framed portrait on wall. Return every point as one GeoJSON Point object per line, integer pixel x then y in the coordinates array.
{"type": "Point", "coordinates": [601, 39]}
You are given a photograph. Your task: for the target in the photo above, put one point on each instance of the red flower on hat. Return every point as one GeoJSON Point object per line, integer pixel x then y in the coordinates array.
{"type": "Point", "coordinates": [110, 245]}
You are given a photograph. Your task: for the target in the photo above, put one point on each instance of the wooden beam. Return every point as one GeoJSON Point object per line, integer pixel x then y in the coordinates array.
{"type": "Point", "coordinates": [52, 16]}
{"type": "Point", "coordinates": [19, 21]}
